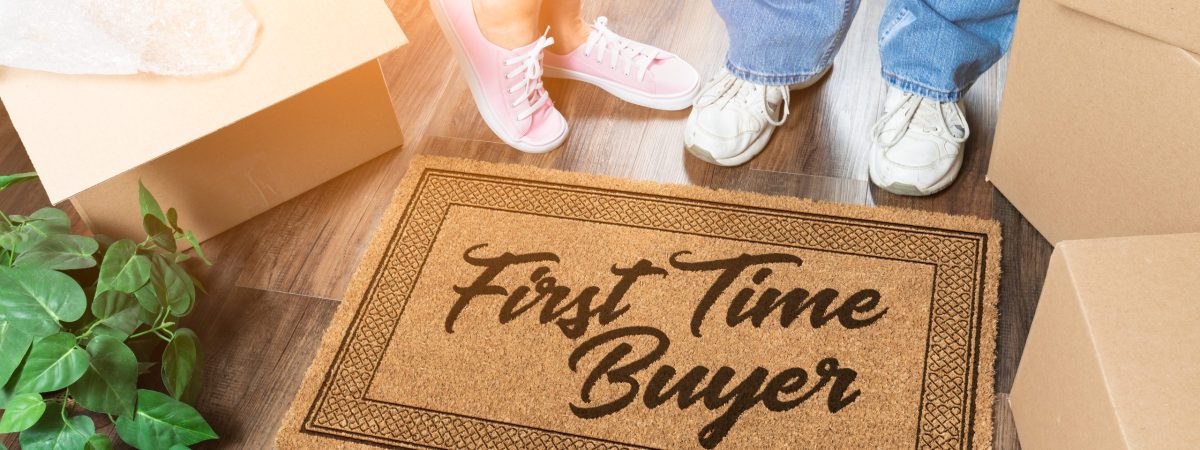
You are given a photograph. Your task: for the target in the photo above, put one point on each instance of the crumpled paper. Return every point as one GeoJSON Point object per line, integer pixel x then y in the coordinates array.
{"type": "Point", "coordinates": [114, 37]}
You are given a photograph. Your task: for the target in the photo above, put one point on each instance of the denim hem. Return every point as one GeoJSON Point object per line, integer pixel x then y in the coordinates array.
{"type": "Point", "coordinates": [769, 79]}
{"type": "Point", "coordinates": [922, 90]}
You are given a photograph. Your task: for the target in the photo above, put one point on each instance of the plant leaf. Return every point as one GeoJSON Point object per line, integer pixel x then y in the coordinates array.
{"type": "Point", "coordinates": [181, 365]}
{"type": "Point", "coordinates": [13, 345]}
{"type": "Point", "coordinates": [60, 252]}
{"type": "Point", "coordinates": [117, 310]}
{"type": "Point", "coordinates": [110, 383]}
{"type": "Point", "coordinates": [180, 293]}
{"type": "Point", "coordinates": [159, 233]}
{"type": "Point", "coordinates": [36, 300]}
{"type": "Point", "coordinates": [20, 239]}
{"type": "Point", "coordinates": [32, 230]}
{"type": "Point", "coordinates": [148, 204]}
{"type": "Point", "coordinates": [22, 412]}
{"type": "Point", "coordinates": [123, 269]}
{"type": "Point", "coordinates": [52, 433]}
{"type": "Point", "coordinates": [148, 297]}
{"type": "Point", "coordinates": [9, 180]}
{"type": "Point", "coordinates": [98, 442]}
{"type": "Point", "coordinates": [173, 220]}
{"type": "Point", "coordinates": [191, 238]}
{"type": "Point", "coordinates": [54, 362]}
{"type": "Point", "coordinates": [162, 422]}
{"type": "Point", "coordinates": [49, 220]}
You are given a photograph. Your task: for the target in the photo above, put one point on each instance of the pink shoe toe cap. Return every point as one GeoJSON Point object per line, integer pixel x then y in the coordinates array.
{"type": "Point", "coordinates": [674, 76]}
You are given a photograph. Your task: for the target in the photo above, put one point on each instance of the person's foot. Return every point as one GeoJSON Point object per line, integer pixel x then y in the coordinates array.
{"type": "Point", "coordinates": [918, 144]}
{"type": "Point", "coordinates": [733, 119]}
{"type": "Point", "coordinates": [506, 84]}
{"type": "Point", "coordinates": [635, 72]}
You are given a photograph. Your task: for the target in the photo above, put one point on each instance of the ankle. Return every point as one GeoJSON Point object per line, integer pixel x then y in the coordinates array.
{"type": "Point", "coordinates": [505, 25]}
{"type": "Point", "coordinates": [568, 34]}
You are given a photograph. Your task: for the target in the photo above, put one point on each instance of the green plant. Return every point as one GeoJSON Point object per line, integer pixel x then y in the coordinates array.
{"type": "Point", "coordinates": [81, 318]}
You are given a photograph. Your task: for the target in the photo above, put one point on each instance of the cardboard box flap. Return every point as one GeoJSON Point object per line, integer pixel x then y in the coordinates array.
{"type": "Point", "coordinates": [1176, 22]}
{"type": "Point", "coordinates": [82, 130]}
{"type": "Point", "coordinates": [1138, 298]}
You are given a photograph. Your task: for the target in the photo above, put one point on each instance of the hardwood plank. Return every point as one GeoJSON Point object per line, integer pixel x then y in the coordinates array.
{"type": "Point", "coordinates": [1026, 254]}
{"type": "Point", "coordinates": [308, 245]}
{"type": "Point", "coordinates": [257, 346]}
{"type": "Point", "coordinates": [1005, 436]}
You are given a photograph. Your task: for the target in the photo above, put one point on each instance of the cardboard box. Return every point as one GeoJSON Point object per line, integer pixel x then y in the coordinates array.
{"type": "Point", "coordinates": [1097, 134]}
{"type": "Point", "coordinates": [1111, 361]}
{"type": "Point", "coordinates": [308, 104]}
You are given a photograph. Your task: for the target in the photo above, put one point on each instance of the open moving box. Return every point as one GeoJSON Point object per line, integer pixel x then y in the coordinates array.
{"type": "Point", "coordinates": [1111, 361]}
{"type": "Point", "coordinates": [1099, 131]}
{"type": "Point", "coordinates": [308, 104]}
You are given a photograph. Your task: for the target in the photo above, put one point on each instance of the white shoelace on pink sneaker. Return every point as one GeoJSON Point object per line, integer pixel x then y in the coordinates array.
{"type": "Point", "coordinates": [633, 54]}
{"type": "Point", "coordinates": [530, 63]}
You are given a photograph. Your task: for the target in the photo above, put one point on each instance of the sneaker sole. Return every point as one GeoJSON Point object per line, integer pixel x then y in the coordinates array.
{"type": "Point", "coordinates": [464, 63]}
{"type": "Point", "coordinates": [745, 156]}
{"type": "Point", "coordinates": [909, 190]}
{"type": "Point", "coordinates": [674, 103]}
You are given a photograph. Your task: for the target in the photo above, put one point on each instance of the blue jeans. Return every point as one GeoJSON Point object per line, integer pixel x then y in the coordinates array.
{"type": "Point", "coordinates": [933, 48]}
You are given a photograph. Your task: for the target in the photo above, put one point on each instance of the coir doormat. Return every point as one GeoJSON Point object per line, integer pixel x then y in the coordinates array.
{"type": "Point", "coordinates": [504, 307]}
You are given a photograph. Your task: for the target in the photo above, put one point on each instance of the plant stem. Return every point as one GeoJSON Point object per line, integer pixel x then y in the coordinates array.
{"type": "Point", "coordinates": [165, 337]}
{"type": "Point", "coordinates": [66, 422]}
{"type": "Point", "coordinates": [88, 332]}
{"type": "Point", "coordinates": [154, 330]}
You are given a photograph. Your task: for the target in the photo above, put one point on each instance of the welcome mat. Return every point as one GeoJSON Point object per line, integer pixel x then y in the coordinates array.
{"type": "Point", "coordinates": [504, 307]}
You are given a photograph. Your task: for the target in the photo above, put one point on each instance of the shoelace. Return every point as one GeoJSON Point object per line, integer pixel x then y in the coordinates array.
{"type": "Point", "coordinates": [633, 54]}
{"type": "Point", "coordinates": [530, 63]}
{"type": "Point", "coordinates": [909, 108]}
{"type": "Point", "coordinates": [731, 88]}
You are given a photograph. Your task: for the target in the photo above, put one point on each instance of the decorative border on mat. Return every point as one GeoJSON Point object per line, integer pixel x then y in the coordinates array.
{"type": "Point", "coordinates": [341, 409]}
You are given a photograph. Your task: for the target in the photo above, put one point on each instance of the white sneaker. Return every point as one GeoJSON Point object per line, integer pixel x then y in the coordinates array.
{"type": "Point", "coordinates": [733, 119]}
{"type": "Point", "coordinates": [918, 144]}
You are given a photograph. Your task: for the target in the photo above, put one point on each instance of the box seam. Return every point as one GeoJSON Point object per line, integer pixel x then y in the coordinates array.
{"type": "Point", "coordinates": [1087, 323]}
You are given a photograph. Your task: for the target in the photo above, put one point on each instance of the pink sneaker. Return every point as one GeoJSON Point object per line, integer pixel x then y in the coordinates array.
{"type": "Point", "coordinates": [506, 84]}
{"type": "Point", "coordinates": [635, 72]}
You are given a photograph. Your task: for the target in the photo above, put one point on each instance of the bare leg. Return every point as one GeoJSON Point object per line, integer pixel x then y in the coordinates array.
{"type": "Point", "coordinates": [566, 24]}
{"type": "Point", "coordinates": [509, 23]}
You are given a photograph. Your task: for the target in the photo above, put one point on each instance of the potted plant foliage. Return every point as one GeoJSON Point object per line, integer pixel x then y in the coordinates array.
{"type": "Point", "coordinates": [83, 318]}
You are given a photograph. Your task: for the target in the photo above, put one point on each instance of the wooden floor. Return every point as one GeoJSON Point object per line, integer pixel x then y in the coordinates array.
{"type": "Point", "coordinates": [279, 277]}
